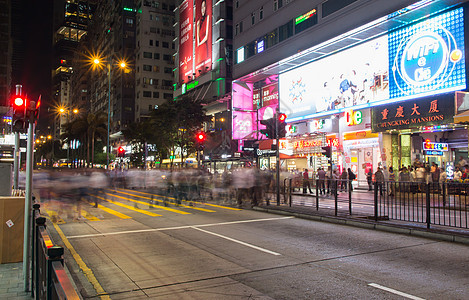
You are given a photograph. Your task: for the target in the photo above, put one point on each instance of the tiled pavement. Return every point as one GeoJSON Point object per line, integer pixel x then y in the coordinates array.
{"type": "Point", "coordinates": [11, 282]}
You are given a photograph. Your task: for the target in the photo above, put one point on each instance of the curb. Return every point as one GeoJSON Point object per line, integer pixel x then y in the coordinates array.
{"type": "Point", "coordinates": [399, 229]}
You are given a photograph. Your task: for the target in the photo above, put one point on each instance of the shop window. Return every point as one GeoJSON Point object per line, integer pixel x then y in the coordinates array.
{"type": "Point", "coordinates": [285, 31]}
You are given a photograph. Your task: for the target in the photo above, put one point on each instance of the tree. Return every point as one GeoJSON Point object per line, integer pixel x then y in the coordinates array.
{"type": "Point", "coordinates": [138, 135]}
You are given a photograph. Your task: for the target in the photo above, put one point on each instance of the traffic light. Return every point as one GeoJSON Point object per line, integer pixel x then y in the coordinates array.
{"type": "Point", "coordinates": [200, 139]}
{"type": "Point", "coordinates": [120, 151]}
{"type": "Point", "coordinates": [327, 151]}
{"type": "Point", "coordinates": [281, 125]}
{"type": "Point", "coordinates": [269, 130]}
{"type": "Point", "coordinates": [18, 121]}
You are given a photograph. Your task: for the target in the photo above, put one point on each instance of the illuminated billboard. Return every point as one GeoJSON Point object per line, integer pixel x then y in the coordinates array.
{"type": "Point", "coordinates": [423, 59]}
{"type": "Point", "coordinates": [185, 40]}
{"type": "Point", "coordinates": [203, 36]}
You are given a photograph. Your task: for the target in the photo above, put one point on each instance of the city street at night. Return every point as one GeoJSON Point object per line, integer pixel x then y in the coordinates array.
{"type": "Point", "coordinates": [135, 249]}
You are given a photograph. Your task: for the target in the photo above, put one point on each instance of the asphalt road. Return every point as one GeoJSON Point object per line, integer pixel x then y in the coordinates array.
{"type": "Point", "coordinates": [128, 249]}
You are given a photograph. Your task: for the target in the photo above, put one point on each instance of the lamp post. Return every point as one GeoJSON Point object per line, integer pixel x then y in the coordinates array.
{"type": "Point", "coordinates": [122, 64]}
{"type": "Point", "coordinates": [67, 111]}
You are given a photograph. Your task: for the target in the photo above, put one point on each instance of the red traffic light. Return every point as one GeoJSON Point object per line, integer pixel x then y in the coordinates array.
{"type": "Point", "coordinates": [121, 149]}
{"type": "Point", "coordinates": [201, 137]}
{"type": "Point", "coordinates": [282, 117]}
{"type": "Point", "coordinates": [18, 101]}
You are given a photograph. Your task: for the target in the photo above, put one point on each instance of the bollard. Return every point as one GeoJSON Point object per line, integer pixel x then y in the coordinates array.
{"type": "Point", "coordinates": [54, 253]}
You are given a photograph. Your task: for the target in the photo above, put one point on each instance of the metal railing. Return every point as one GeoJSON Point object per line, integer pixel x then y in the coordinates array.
{"type": "Point", "coordinates": [49, 279]}
{"type": "Point", "coordinates": [443, 204]}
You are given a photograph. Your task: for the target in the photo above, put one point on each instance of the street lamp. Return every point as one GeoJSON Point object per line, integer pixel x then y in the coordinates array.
{"type": "Point", "coordinates": [122, 64]}
{"type": "Point", "coordinates": [66, 111]}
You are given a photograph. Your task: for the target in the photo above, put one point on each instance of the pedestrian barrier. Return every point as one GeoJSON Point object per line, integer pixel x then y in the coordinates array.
{"type": "Point", "coordinates": [49, 279]}
{"type": "Point", "coordinates": [442, 204]}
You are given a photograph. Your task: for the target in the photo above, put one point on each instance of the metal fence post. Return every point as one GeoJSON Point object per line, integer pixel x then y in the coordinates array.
{"type": "Point", "coordinates": [54, 253]}
{"type": "Point", "coordinates": [335, 187]}
{"type": "Point", "coordinates": [376, 200]}
{"type": "Point", "coordinates": [427, 204]}
{"type": "Point", "coordinates": [349, 196]}
{"type": "Point", "coordinates": [39, 222]}
{"type": "Point", "coordinates": [290, 191]}
{"type": "Point", "coordinates": [317, 194]}
{"type": "Point", "coordinates": [36, 208]}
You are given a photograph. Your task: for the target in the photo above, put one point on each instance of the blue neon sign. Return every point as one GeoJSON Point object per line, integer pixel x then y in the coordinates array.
{"type": "Point", "coordinates": [428, 57]}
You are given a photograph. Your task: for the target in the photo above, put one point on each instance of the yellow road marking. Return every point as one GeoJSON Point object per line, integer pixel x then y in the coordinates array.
{"type": "Point", "coordinates": [89, 216]}
{"type": "Point", "coordinates": [149, 213]}
{"type": "Point", "coordinates": [181, 205]}
{"type": "Point", "coordinates": [112, 212]}
{"type": "Point", "coordinates": [152, 205]}
{"type": "Point", "coordinates": [87, 271]}
{"type": "Point", "coordinates": [202, 203]}
{"type": "Point", "coordinates": [54, 217]}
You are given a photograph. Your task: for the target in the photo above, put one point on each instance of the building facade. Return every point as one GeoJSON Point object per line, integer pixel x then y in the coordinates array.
{"type": "Point", "coordinates": [381, 82]}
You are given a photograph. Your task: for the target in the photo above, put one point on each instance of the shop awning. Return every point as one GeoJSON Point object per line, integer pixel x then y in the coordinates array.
{"type": "Point", "coordinates": [462, 117]}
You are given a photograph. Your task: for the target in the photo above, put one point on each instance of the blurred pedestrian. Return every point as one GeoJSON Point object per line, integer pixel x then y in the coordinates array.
{"type": "Point", "coordinates": [351, 178]}
{"type": "Point", "coordinates": [321, 181]}
{"type": "Point", "coordinates": [379, 179]}
{"type": "Point", "coordinates": [392, 181]}
{"type": "Point", "coordinates": [369, 177]}
{"type": "Point", "coordinates": [343, 180]}
{"type": "Point", "coordinates": [306, 183]}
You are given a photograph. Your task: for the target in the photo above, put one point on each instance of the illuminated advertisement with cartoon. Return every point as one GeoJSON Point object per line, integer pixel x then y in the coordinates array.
{"type": "Point", "coordinates": [185, 40]}
{"type": "Point", "coordinates": [203, 36]}
{"type": "Point", "coordinates": [423, 59]}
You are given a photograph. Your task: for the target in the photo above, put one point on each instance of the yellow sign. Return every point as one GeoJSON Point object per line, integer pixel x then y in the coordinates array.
{"type": "Point", "coordinates": [358, 135]}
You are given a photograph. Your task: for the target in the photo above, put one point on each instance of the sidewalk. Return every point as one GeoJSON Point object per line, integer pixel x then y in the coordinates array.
{"type": "Point", "coordinates": [11, 282]}
{"type": "Point", "coordinates": [303, 206]}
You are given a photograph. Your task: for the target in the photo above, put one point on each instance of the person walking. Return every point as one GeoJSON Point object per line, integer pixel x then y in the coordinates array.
{"type": "Point", "coordinates": [321, 181]}
{"type": "Point", "coordinates": [306, 183]}
{"type": "Point", "coordinates": [343, 180]}
{"type": "Point", "coordinates": [379, 179]}
{"type": "Point", "coordinates": [351, 178]}
{"type": "Point", "coordinates": [420, 177]}
{"type": "Point", "coordinates": [369, 177]}
{"type": "Point", "coordinates": [392, 182]}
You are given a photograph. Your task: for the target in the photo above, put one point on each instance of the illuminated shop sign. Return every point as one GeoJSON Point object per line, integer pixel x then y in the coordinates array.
{"type": "Point", "coordinates": [353, 117]}
{"type": "Point", "coordinates": [334, 142]}
{"type": "Point", "coordinates": [413, 113]}
{"type": "Point", "coordinates": [305, 16]}
{"type": "Point", "coordinates": [430, 146]}
{"type": "Point", "coordinates": [304, 144]}
{"type": "Point", "coordinates": [317, 124]}
{"type": "Point", "coordinates": [185, 40]}
{"type": "Point", "coordinates": [422, 59]}
{"type": "Point", "coordinates": [260, 46]}
{"type": "Point", "coordinates": [433, 152]}
{"type": "Point", "coordinates": [291, 129]}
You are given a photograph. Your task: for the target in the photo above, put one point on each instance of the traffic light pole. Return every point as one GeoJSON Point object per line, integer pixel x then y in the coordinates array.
{"type": "Point", "coordinates": [277, 154]}
{"type": "Point", "coordinates": [16, 161]}
{"type": "Point", "coordinates": [27, 205]}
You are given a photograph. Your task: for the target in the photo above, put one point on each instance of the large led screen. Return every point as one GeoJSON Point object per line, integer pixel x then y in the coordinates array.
{"type": "Point", "coordinates": [185, 40]}
{"type": "Point", "coordinates": [203, 36]}
{"type": "Point", "coordinates": [419, 60]}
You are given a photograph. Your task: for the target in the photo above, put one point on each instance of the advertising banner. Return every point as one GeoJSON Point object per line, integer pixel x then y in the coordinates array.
{"type": "Point", "coordinates": [203, 36]}
{"type": "Point", "coordinates": [428, 111]}
{"type": "Point", "coordinates": [423, 59]}
{"type": "Point", "coordinates": [185, 40]}
{"type": "Point", "coordinates": [270, 95]}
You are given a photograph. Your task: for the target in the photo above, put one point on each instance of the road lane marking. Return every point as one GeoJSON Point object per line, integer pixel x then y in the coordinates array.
{"type": "Point", "coordinates": [395, 291]}
{"type": "Point", "coordinates": [54, 217]}
{"type": "Point", "coordinates": [89, 216]}
{"type": "Point", "coordinates": [202, 203]}
{"type": "Point", "coordinates": [182, 205]}
{"type": "Point", "coordinates": [152, 205]}
{"type": "Point", "coordinates": [148, 213]}
{"type": "Point", "coordinates": [112, 212]}
{"type": "Point", "coordinates": [87, 271]}
{"type": "Point", "coordinates": [175, 228]}
{"type": "Point", "coordinates": [237, 241]}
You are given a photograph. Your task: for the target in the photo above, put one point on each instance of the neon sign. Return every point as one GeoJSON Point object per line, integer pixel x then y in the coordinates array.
{"type": "Point", "coordinates": [306, 144]}
{"type": "Point", "coordinates": [353, 117]}
{"type": "Point", "coordinates": [430, 146]}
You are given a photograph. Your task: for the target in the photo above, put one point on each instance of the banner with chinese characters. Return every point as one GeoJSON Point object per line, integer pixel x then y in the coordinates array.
{"type": "Point", "coordinates": [428, 111]}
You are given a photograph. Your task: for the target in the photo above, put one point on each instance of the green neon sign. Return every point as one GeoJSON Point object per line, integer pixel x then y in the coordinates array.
{"type": "Point", "coordinates": [305, 16]}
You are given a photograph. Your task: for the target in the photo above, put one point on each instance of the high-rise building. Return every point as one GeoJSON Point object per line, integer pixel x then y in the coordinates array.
{"type": "Point", "coordinates": [71, 19]}
{"type": "Point", "coordinates": [154, 61]}
{"type": "Point", "coordinates": [374, 80]}
{"type": "Point", "coordinates": [204, 39]}
{"type": "Point", "coordinates": [5, 58]}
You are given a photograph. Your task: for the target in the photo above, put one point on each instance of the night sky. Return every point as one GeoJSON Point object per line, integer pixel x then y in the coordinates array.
{"type": "Point", "coordinates": [36, 67]}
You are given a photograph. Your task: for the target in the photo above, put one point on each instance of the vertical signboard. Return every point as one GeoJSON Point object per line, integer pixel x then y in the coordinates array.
{"type": "Point", "coordinates": [185, 40]}
{"type": "Point", "coordinates": [203, 36]}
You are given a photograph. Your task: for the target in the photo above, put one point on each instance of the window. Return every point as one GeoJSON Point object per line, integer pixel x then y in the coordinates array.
{"type": "Point", "coordinates": [253, 18]}
{"type": "Point", "coordinates": [147, 55]}
{"type": "Point", "coordinates": [165, 45]}
{"type": "Point", "coordinates": [237, 4]}
{"type": "Point", "coordinates": [156, 69]}
{"type": "Point", "coordinates": [168, 96]}
{"type": "Point", "coordinates": [167, 57]}
{"type": "Point", "coordinates": [151, 42]}
{"type": "Point", "coordinates": [156, 55]}
{"type": "Point", "coordinates": [146, 68]}
{"type": "Point", "coordinates": [261, 13]}
{"type": "Point", "coordinates": [237, 29]}
{"type": "Point", "coordinates": [250, 49]}
{"type": "Point", "coordinates": [285, 31]}
{"type": "Point", "coordinates": [157, 43]}
{"type": "Point", "coordinates": [151, 17]}
{"type": "Point", "coordinates": [271, 38]}
{"type": "Point", "coordinates": [278, 4]}
{"type": "Point", "coordinates": [129, 21]}
{"type": "Point", "coordinates": [240, 26]}
{"type": "Point", "coordinates": [156, 94]}
{"type": "Point", "coordinates": [153, 29]}
{"type": "Point", "coordinates": [146, 94]}
{"type": "Point", "coordinates": [154, 81]}
{"type": "Point", "coordinates": [168, 70]}
{"type": "Point", "coordinates": [167, 82]}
